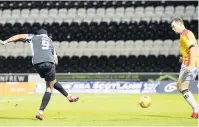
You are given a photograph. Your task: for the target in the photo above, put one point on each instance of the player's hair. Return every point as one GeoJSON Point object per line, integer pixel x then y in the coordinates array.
{"type": "Point", "coordinates": [42, 31]}
{"type": "Point", "coordinates": [178, 20]}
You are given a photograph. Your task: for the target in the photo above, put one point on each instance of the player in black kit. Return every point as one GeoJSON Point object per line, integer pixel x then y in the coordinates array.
{"type": "Point", "coordinates": [44, 59]}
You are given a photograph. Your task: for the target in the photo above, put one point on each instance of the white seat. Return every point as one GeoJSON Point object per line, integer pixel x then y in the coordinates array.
{"type": "Point", "coordinates": [106, 19]}
{"type": "Point", "coordinates": [73, 44]}
{"type": "Point", "coordinates": [158, 43]}
{"type": "Point", "coordinates": [144, 51]}
{"type": "Point", "coordinates": [49, 20]}
{"type": "Point", "coordinates": [168, 43]}
{"type": "Point", "coordinates": [6, 14]}
{"type": "Point", "coordinates": [148, 43]}
{"type": "Point", "coordinates": [116, 19]}
{"type": "Point", "coordinates": [52, 13]}
{"type": "Point", "coordinates": [34, 13]}
{"type": "Point", "coordinates": [190, 8]}
{"type": "Point", "coordinates": [91, 44]}
{"type": "Point", "coordinates": [12, 21]}
{"type": "Point", "coordinates": [149, 11]}
{"type": "Point", "coordinates": [120, 43]}
{"type": "Point", "coordinates": [101, 44]}
{"type": "Point", "coordinates": [139, 12]}
{"type": "Point", "coordinates": [126, 19]}
{"type": "Point", "coordinates": [139, 43]}
{"type": "Point", "coordinates": [176, 44]}
{"type": "Point", "coordinates": [63, 46]}
{"type": "Point", "coordinates": [43, 13]}
{"type": "Point", "coordinates": [169, 10]}
{"type": "Point", "coordinates": [24, 13]}
{"type": "Point", "coordinates": [146, 18]}
{"type": "Point", "coordinates": [159, 10]}
{"type": "Point", "coordinates": [90, 14]}
{"type": "Point", "coordinates": [166, 17]}
{"type": "Point", "coordinates": [100, 12]}
{"type": "Point", "coordinates": [78, 19]}
{"type": "Point", "coordinates": [62, 13]}
{"type": "Point", "coordinates": [82, 45]}
{"type": "Point", "coordinates": [129, 12]}
{"type": "Point", "coordinates": [16, 13]}
{"type": "Point", "coordinates": [81, 12]}
{"type": "Point", "coordinates": [119, 12]}
{"type": "Point", "coordinates": [174, 51]}
{"type": "Point", "coordinates": [179, 11]}
{"type": "Point", "coordinates": [154, 51]}
{"type": "Point", "coordinates": [72, 13]}
{"type": "Point", "coordinates": [110, 47]}
{"type": "Point", "coordinates": [99, 47]}
{"type": "Point", "coordinates": [164, 51]}
{"type": "Point", "coordinates": [129, 44]}
{"type": "Point", "coordinates": [110, 12]}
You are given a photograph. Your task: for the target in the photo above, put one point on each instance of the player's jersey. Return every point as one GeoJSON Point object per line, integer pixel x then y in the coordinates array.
{"type": "Point", "coordinates": [184, 49]}
{"type": "Point", "coordinates": [42, 48]}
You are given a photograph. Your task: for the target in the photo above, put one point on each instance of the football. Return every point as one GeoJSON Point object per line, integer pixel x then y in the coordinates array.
{"type": "Point", "coordinates": [145, 101]}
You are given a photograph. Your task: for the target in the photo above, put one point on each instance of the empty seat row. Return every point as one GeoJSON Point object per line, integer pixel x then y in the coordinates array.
{"type": "Point", "coordinates": [89, 4]}
{"type": "Point", "coordinates": [99, 31]}
{"type": "Point", "coordinates": [101, 14]}
{"type": "Point", "coordinates": [85, 64]}
{"type": "Point", "coordinates": [129, 47]}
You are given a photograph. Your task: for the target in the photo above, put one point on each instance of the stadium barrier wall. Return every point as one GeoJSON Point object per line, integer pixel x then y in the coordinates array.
{"type": "Point", "coordinates": [125, 83]}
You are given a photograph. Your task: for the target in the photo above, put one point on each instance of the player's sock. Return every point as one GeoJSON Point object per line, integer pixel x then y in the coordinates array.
{"type": "Point", "coordinates": [190, 99]}
{"type": "Point", "coordinates": [59, 87]}
{"type": "Point", "coordinates": [45, 100]}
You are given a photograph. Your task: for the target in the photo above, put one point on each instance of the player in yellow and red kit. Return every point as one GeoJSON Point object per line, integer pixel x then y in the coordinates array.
{"type": "Point", "coordinates": [190, 62]}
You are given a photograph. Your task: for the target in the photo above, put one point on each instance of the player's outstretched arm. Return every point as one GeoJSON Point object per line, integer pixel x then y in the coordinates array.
{"type": "Point", "coordinates": [15, 38]}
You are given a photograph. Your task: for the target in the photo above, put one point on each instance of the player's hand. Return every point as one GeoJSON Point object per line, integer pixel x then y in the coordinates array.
{"type": "Point", "coordinates": [3, 42]}
{"type": "Point", "coordinates": [189, 68]}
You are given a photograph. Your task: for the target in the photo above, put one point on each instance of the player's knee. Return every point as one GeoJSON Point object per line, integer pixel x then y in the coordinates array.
{"type": "Point", "coordinates": [178, 85]}
{"type": "Point", "coordinates": [49, 89]}
{"type": "Point", "coordinates": [184, 91]}
{"type": "Point", "coordinates": [50, 84]}
{"type": "Point", "coordinates": [183, 86]}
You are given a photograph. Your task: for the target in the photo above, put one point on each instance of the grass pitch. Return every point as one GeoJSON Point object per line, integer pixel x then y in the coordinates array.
{"type": "Point", "coordinates": [97, 110]}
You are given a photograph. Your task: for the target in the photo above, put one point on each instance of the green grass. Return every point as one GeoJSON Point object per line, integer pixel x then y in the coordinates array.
{"type": "Point", "coordinates": [97, 110]}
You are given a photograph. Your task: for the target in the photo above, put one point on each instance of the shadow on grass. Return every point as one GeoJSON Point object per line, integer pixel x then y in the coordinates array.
{"type": "Point", "coordinates": [162, 116]}
{"type": "Point", "coordinates": [16, 118]}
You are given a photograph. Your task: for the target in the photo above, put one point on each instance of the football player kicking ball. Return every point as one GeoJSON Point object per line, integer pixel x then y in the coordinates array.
{"type": "Point", "coordinates": [44, 60]}
{"type": "Point", "coordinates": [190, 62]}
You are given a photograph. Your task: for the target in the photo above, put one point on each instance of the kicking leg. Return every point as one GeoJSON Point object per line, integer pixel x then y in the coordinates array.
{"type": "Point", "coordinates": [59, 87]}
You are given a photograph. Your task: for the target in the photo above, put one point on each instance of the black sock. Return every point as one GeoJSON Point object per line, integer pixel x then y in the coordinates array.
{"type": "Point", "coordinates": [59, 87]}
{"type": "Point", "coordinates": [45, 100]}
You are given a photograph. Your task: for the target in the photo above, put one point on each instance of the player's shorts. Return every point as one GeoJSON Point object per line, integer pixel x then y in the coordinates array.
{"type": "Point", "coordinates": [46, 70]}
{"type": "Point", "coordinates": [188, 76]}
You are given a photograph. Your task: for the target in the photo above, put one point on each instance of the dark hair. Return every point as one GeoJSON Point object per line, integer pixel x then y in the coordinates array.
{"type": "Point", "coordinates": [42, 31]}
{"type": "Point", "coordinates": [177, 19]}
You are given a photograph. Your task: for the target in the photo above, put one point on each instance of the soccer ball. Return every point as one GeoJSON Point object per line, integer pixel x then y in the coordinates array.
{"type": "Point", "coordinates": [145, 101]}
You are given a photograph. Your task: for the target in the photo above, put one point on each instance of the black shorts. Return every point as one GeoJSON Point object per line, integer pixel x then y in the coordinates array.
{"type": "Point", "coordinates": [46, 70]}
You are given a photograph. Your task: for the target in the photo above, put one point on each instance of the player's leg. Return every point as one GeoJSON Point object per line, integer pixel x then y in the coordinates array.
{"type": "Point", "coordinates": [46, 71]}
{"type": "Point", "coordinates": [183, 87]}
{"type": "Point", "coordinates": [59, 87]}
{"type": "Point", "coordinates": [46, 98]}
